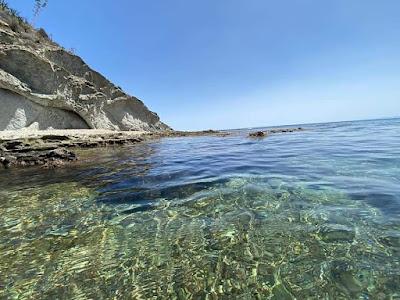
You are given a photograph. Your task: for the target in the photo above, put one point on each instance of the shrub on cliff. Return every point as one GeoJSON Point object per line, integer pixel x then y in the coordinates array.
{"type": "Point", "coordinates": [39, 5]}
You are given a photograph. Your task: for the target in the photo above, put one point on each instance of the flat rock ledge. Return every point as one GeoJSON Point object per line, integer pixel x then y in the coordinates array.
{"type": "Point", "coordinates": [274, 131]}
{"type": "Point", "coordinates": [56, 148]}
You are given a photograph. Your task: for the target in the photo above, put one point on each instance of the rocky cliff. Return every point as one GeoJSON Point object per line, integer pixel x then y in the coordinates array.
{"type": "Point", "coordinates": [44, 86]}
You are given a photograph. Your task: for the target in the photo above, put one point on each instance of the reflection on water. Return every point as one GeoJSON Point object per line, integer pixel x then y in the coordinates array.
{"type": "Point", "coordinates": [189, 219]}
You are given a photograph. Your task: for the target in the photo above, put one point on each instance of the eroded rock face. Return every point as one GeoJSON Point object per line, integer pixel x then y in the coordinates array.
{"type": "Point", "coordinates": [44, 86]}
{"type": "Point", "coordinates": [18, 112]}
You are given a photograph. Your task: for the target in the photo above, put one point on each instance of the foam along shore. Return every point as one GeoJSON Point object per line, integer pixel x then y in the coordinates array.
{"type": "Point", "coordinates": [56, 147]}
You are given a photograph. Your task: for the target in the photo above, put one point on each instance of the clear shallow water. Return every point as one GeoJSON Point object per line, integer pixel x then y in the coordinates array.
{"type": "Point", "coordinates": [306, 215]}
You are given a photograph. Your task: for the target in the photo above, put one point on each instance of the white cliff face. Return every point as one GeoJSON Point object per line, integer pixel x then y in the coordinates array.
{"type": "Point", "coordinates": [17, 112]}
{"type": "Point", "coordinates": [44, 86]}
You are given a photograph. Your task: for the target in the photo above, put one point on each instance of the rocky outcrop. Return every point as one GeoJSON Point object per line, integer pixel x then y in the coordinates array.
{"type": "Point", "coordinates": [51, 150]}
{"type": "Point", "coordinates": [44, 86]}
{"type": "Point", "coordinates": [54, 148]}
{"type": "Point", "coordinates": [261, 134]}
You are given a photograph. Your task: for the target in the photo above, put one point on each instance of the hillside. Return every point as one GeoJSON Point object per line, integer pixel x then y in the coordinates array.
{"type": "Point", "coordinates": [44, 86]}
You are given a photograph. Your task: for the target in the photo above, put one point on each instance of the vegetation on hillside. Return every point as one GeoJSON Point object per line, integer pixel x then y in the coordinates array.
{"type": "Point", "coordinates": [12, 12]}
{"type": "Point", "coordinates": [38, 6]}
{"type": "Point", "coordinates": [19, 24]}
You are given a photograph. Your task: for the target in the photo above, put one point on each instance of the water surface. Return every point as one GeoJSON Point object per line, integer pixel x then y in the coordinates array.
{"type": "Point", "coordinates": [303, 215]}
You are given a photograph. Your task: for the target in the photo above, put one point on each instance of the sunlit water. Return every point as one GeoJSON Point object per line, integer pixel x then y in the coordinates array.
{"type": "Point", "coordinates": [305, 215]}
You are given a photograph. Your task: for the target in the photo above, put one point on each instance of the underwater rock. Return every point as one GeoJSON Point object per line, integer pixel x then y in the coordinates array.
{"type": "Point", "coordinates": [281, 293]}
{"type": "Point", "coordinates": [390, 241]}
{"type": "Point", "coordinates": [342, 274]}
{"type": "Point", "coordinates": [336, 233]}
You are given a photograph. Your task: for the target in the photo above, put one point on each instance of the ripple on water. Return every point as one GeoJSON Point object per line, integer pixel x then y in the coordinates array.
{"type": "Point", "coordinates": [243, 237]}
{"type": "Point", "coordinates": [305, 215]}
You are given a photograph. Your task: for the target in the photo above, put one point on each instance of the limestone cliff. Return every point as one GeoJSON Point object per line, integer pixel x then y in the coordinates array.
{"type": "Point", "coordinates": [44, 86]}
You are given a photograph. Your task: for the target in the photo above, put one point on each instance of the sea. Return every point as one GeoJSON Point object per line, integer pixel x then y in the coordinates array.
{"type": "Point", "coordinates": [313, 214]}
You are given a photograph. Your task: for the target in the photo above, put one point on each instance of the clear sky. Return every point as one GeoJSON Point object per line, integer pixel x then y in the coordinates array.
{"type": "Point", "coordinates": [239, 63]}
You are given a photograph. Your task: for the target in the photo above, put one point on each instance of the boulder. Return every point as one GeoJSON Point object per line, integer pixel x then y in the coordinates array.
{"type": "Point", "coordinates": [257, 134]}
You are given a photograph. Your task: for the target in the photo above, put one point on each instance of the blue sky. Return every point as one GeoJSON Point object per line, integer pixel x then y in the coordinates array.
{"type": "Point", "coordinates": [239, 63]}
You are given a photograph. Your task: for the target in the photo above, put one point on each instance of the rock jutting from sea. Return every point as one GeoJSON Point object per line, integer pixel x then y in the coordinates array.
{"type": "Point", "coordinates": [261, 134]}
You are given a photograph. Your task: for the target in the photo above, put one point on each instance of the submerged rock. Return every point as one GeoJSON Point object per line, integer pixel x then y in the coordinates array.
{"type": "Point", "coordinates": [43, 86]}
{"type": "Point", "coordinates": [342, 274]}
{"type": "Point", "coordinates": [336, 233]}
{"type": "Point", "coordinates": [390, 241]}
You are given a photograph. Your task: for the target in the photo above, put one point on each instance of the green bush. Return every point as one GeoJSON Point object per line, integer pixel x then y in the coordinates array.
{"type": "Point", "coordinates": [16, 17]}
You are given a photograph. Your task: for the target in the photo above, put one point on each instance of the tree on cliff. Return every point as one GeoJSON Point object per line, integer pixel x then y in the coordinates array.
{"type": "Point", "coordinates": [39, 5]}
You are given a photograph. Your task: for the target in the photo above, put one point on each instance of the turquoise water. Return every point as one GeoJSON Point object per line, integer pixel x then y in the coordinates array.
{"type": "Point", "coordinates": [303, 215]}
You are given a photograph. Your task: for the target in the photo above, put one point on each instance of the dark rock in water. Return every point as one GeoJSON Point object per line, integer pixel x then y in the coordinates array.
{"type": "Point", "coordinates": [336, 233]}
{"type": "Point", "coordinates": [47, 158]}
{"type": "Point", "coordinates": [285, 130]}
{"type": "Point", "coordinates": [390, 241]}
{"type": "Point", "coordinates": [342, 274]}
{"type": "Point", "coordinates": [5, 161]}
{"type": "Point", "coordinates": [174, 133]}
{"type": "Point", "coordinates": [12, 145]}
{"type": "Point", "coordinates": [281, 293]}
{"type": "Point", "coordinates": [53, 137]}
{"type": "Point", "coordinates": [61, 154]}
{"type": "Point", "coordinates": [210, 131]}
{"type": "Point", "coordinates": [33, 153]}
{"type": "Point", "coordinates": [257, 134]}
{"type": "Point", "coordinates": [273, 131]}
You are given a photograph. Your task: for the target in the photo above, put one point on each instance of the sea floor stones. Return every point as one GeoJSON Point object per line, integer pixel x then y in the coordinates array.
{"type": "Point", "coordinates": [183, 250]}
{"type": "Point", "coordinates": [337, 233]}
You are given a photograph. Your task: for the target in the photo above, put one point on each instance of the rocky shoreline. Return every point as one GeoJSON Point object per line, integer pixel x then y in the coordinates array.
{"type": "Point", "coordinates": [55, 148]}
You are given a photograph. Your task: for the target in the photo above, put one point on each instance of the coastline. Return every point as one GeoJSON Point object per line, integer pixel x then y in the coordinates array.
{"type": "Point", "coordinates": [57, 147]}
